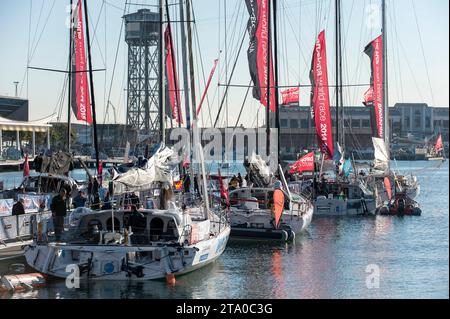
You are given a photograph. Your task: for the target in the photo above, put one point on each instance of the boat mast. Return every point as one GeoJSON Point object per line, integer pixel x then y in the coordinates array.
{"type": "Point", "coordinates": [336, 20]}
{"type": "Point", "coordinates": [268, 83]}
{"type": "Point", "coordinates": [69, 98]}
{"type": "Point", "coordinates": [91, 84]}
{"type": "Point", "coordinates": [191, 59]}
{"type": "Point", "coordinates": [185, 69]}
{"type": "Point", "coordinates": [161, 74]}
{"type": "Point", "coordinates": [277, 105]}
{"type": "Point", "coordinates": [173, 67]}
{"type": "Point", "coordinates": [341, 96]}
{"type": "Point", "coordinates": [385, 78]}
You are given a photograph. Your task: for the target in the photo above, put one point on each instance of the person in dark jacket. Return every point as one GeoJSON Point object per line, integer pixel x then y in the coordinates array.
{"type": "Point", "coordinates": [79, 200]}
{"type": "Point", "coordinates": [137, 222]}
{"type": "Point", "coordinates": [18, 208]}
{"type": "Point", "coordinates": [107, 202]}
{"type": "Point", "coordinates": [59, 211]}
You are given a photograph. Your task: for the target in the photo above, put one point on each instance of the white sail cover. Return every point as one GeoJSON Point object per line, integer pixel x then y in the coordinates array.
{"type": "Point", "coordinates": [160, 168]}
{"type": "Point", "coordinates": [260, 168]}
{"type": "Point", "coordinates": [381, 157]}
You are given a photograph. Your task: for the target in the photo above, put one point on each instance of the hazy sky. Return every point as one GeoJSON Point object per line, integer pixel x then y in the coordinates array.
{"type": "Point", "coordinates": [417, 43]}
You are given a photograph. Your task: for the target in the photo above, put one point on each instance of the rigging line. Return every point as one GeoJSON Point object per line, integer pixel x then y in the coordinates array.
{"type": "Point", "coordinates": [115, 63]}
{"type": "Point", "coordinates": [423, 53]}
{"type": "Point", "coordinates": [28, 48]}
{"type": "Point", "coordinates": [398, 56]}
{"type": "Point", "coordinates": [201, 63]}
{"type": "Point", "coordinates": [296, 39]}
{"type": "Point", "coordinates": [242, 106]}
{"type": "Point", "coordinates": [409, 66]}
{"type": "Point", "coordinates": [37, 25]}
{"type": "Point", "coordinates": [294, 86]}
{"type": "Point", "coordinates": [231, 76]}
{"type": "Point", "coordinates": [94, 34]}
{"type": "Point", "coordinates": [43, 29]}
{"type": "Point", "coordinates": [395, 66]}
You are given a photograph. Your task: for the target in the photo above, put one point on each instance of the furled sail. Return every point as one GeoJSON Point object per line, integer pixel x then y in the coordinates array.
{"type": "Point", "coordinates": [381, 157]}
{"type": "Point", "coordinates": [160, 168]}
{"type": "Point", "coordinates": [80, 100]}
{"type": "Point", "coordinates": [320, 100]}
{"type": "Point", "coordinates": [172, 87]}
{"type": "Point", "coordinates": [373, 98]}
{"type": "Point", "coordinates": [258, 29]}
{"type": "Point", "coordinates": [258, 171]}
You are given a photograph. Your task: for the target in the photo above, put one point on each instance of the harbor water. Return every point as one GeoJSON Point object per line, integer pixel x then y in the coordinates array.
{"type": "Point", "coordinates": [334, 258]}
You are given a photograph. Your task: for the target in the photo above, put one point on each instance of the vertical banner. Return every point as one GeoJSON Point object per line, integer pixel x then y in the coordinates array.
{"type": "Point", "coordinates": [82, 106]}
{"type": "Point", "coordinates": [172, 85]}
{"type": "Point", "coordinates": [258, 29]}
{"type": "Point", "coordinates": [373, 98]}
{"type": "Point", "coordinates": [320, 99]}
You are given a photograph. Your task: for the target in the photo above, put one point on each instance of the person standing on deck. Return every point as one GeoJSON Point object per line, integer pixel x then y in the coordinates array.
{"type": "Point", "coordinates": [59, 210]}
{"type": "Point", "coordinates": [18, 208]}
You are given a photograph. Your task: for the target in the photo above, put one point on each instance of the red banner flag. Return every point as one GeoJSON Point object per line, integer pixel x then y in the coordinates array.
{"type": "Point", "coordinates": [320, 99]}
{"type": "Point", "coordinates": [373, 98]}
{"type": "Point", "coordinates": [439, 146]}
{"type": "Point", "coordinates": [207, 86]}
{"type": "Point", "coordinates": [258, 29]}
{"type": "Point", "coordinates": [82, 107]}
{"type": "Point", "coordinates": [304, 164]}
{"type": "Point", "coordinates": [291, 95]}
{"type": "Point", "coordinates": [26, 167]}
{"type": "Point", "coordinates": [172, 79]}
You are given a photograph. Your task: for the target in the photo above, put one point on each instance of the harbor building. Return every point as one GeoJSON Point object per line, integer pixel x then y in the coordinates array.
{"type": "Point", "coordinates": [415, 121]}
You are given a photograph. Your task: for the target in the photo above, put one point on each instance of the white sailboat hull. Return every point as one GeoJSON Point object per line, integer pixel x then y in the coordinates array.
{"type": "Point", "coordinates": [258, 224]}
{"type": "Point", "coordinates": [101, 262]}
{"type": "Point", "coordinates": [340, 207]}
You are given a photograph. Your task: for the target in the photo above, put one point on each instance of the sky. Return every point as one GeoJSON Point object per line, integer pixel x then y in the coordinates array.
{"type": "Point", "coordinates": [34, 33]}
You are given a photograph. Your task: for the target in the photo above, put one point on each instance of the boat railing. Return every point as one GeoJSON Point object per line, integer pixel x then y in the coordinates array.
{"type": "Point", "coordinates": [20, 227]}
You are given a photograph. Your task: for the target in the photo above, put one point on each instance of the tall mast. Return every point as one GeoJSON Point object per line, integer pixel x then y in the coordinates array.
{"type": "Point", "coordinates": [91, 83]}
{"type": "Point", "coordinates": [161, 73]}
{"type": "Point", "coordinates": [185, 69]}
{"type": "Point", "coordinates": [277, 106]}
{"type": "Point", "coordinates": [385, 77]}
{"type": "Point", "coordinates": [268, 82]}
{"type": "Point", "coordinates": [341, 99]}
{"type": "Point", "coordinates": [173, 67]}
{"type": "Point", "coordinates": [191, 59]}
{"type": "Point", "coordinates": [69, 98]}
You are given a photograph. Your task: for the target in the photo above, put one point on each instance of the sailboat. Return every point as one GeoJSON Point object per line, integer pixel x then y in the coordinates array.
{"type": "Point", "coordinates": [129, 243]}
{"type": "Point", "coordinates": [340, 196]}
{"type": "Point", "coordinates": [376, 98]}
{"type": "Point", "coordinates": [266, 209]}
